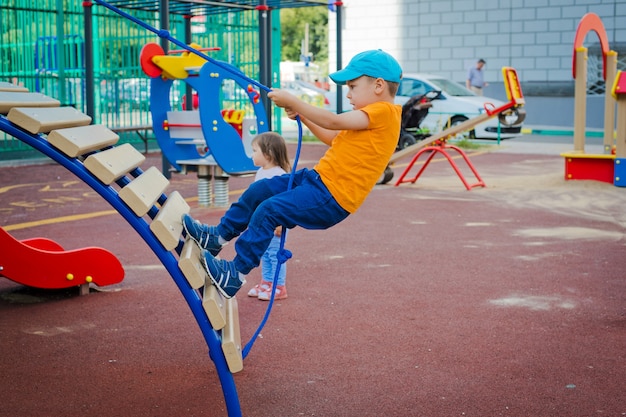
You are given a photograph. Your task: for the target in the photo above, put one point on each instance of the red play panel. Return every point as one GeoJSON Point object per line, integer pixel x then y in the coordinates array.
{"type": "Point", "coordinates": [42, 263]}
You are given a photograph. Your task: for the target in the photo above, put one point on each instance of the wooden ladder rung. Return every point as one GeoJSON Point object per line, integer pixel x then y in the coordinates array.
{"type": "Point", "coordinates": [214, 305]}
{"type": "Point", "coordinates": [76, 141]}
{"type": "Point", "coordinates": [111, 164]}
{"type": "Point", "coordinates": [167, 225]}
{"type": "Point", "coordinates": [141, 193]}
{"type": "Point", "coordinates": [191, 264]}
{"type": "Point", "coordinates": [231, 337]}
{"type": "Point", "coordinates": [4, 86]}
{"type": "Point", "coordinates": [45, 119]}
{"type": "Point", "coordinates": [10, 99]}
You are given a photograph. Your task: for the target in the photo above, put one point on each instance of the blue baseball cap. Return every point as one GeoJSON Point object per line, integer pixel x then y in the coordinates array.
{"type": "Point", "coordinates": [374, 63]}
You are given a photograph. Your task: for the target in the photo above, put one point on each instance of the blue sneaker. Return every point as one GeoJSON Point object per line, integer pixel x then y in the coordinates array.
{"type": "Point", "coordinates": [223, 274]}
{"type": "Point", "coordinates": [204, 235]}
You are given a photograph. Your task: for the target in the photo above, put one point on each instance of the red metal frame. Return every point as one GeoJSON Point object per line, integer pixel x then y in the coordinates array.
{"type": "Point", "coordinates": [441, 148]}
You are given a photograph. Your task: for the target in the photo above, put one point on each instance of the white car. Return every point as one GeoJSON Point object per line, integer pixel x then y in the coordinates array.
{"type": "Point", "coordinates": [455, 105]}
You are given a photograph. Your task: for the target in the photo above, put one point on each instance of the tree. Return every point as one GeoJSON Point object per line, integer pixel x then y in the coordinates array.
{"type": "Point", "coordinates": [293, 26]}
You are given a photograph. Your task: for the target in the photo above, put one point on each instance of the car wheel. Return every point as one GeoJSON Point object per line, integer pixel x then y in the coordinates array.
{"type": "Point", "coordinates": [406, 140]}
{"type": "Point", "coordinates": [386, 177]}
{"type": "Point", "coordinates": [512, 117]}
{"type": "Point", "coordinates": [468, 134]}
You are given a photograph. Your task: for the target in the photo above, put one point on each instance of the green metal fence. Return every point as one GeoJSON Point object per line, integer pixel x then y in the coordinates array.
{"type": "Point", "coordinates": [42, 48]}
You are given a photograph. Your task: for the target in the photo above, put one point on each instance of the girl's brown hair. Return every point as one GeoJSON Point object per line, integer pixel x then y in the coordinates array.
{"type": "Point", "coordinates": [273, 146]}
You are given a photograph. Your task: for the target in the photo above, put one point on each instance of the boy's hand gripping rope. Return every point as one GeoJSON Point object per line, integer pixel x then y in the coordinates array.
{"type": "Point", "coordinates": [283, 254]}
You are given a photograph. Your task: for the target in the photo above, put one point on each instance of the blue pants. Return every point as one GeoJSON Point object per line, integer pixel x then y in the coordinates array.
{"type": "Point", "coordinates": [267, 204]}
{"type": "Point", "coordinates": [269, 263]}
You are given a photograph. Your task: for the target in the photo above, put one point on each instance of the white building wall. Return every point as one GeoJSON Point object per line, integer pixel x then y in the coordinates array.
{"type": "Point", "coordinates": [447, 36]}
{"type": "Point", "coordinates": [364, 24]}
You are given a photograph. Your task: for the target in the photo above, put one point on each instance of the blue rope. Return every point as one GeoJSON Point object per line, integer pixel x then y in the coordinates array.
{"type": "Point", "coordinates": [283, 255]}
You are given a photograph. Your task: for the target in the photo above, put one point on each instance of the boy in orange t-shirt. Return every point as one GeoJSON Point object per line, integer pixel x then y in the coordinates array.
{"type": "Point", "coordinates": [360, 142]}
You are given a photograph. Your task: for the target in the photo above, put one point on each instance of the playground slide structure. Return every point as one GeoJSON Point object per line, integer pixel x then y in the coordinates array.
{"type": "Point", "coordinates": [90, 152]}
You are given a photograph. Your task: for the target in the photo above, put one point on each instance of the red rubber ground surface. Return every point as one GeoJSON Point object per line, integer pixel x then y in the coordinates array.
{"type": "Point", "coordinates": [430, 301]}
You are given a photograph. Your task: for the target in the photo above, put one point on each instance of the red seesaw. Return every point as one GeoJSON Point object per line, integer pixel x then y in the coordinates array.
{"type": "Point", "coordinates": [437, 143]}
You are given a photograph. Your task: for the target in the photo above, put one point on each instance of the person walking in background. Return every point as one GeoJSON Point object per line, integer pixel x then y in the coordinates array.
{"type": "Point", "coordinates": [475, 78]}
{"type": "Point", "coordinates": [269, 153]}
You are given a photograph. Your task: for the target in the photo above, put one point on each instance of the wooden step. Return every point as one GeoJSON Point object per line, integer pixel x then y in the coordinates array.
{"type": "Point", "coordinates": [45, 119]}
{"type": "Point", "coordinates": [4, 86]}
{"type": "Point", "coordinates": [111, 164]}
{"type": "Point", "coordinates": [10, 99]}
{"type": "Point", "coordinates": [231, 337]}
{"type": "Point", "coordinates": [214, 305]}
{"type": "Point", "coordinates": [76, 141]}
{"type": "Point", "coordinates": [167, 225]}
{"type": "Point", "coordinates": [190, 264]}
{"type": "Point", "coordinates": [141, 193]}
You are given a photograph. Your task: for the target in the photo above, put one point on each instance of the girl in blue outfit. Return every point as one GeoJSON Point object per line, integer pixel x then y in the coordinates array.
{"type": "Point", "coordinates": [269, 152]}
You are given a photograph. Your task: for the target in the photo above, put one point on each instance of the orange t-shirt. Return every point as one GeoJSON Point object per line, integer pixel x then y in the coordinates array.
{"type": "Point", "coordinates": [357, 158]}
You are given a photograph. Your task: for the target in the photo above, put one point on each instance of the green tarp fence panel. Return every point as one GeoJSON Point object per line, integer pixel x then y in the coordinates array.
{"type": "Point", "coordinates": [42, 48]}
